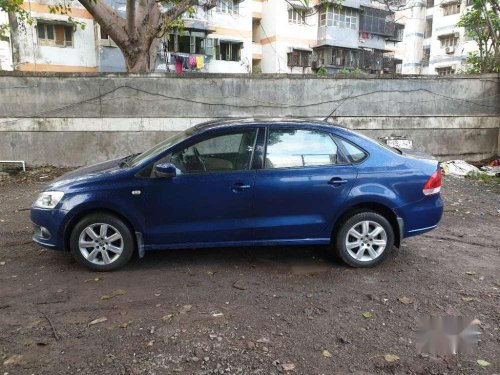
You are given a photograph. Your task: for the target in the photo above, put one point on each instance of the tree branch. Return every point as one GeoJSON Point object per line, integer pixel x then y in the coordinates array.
{"type": "Point", "coordinates": [177, 10]}
{"type": "Point", "coordinates": [131, 19]}
{"type": "Point", "coordinates": [108, 19]}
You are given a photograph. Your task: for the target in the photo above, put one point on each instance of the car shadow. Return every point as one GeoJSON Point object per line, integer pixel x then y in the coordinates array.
{"type": "Point", "coordinates": [281, 259]}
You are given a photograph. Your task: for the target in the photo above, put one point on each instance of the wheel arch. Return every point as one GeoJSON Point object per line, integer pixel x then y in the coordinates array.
{"type": "Point", "coordinates": [68, 228]}
{"type": "Point", "coordinates": [377, 207]}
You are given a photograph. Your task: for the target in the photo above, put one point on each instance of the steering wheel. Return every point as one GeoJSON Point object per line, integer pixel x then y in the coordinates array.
{"type": "Point", "coordinates": [198, 157]}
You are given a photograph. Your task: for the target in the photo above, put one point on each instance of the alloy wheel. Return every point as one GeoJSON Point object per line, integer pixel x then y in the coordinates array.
{"type": "Point", "coordinates": [366, 241]}
{"type": "Point", "coordinates": [101, 243]}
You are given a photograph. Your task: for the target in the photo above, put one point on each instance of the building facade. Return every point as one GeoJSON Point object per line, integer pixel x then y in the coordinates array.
{"type": "Point", "coordinates": [51, 43]}
{"type": "Point", "coordinates": [361, 35]}
{"type": "Point", "coordinates": [5, 50]}
{"type": "Point", "coordinates": [433, 42]}
{"type": "Point", "coordinates": [225, 36]}
{"type": "Point", "coordinates": [274, 36]}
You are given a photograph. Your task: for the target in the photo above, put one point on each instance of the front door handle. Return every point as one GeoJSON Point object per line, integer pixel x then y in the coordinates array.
{"type": "Point", "coordinates": [240, 186]}
{"type": "Point", "coordinates": [337, 181]}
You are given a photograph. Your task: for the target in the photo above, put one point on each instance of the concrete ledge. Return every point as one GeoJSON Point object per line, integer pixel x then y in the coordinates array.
{"type": "Point", "coordinates": [148, 124]}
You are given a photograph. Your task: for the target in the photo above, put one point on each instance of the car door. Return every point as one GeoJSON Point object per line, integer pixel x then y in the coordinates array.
{"type": "Point", "coordinates": [210, 199]}
{"type": "Point", "coordinates": [304, 180]}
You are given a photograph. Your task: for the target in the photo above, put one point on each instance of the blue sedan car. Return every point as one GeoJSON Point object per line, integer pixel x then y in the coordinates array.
{"type": "Point", "coordinates": [241, 183]}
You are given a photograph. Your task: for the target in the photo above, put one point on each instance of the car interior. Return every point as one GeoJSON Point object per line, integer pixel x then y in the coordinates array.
{"type": "Point", "coordinates": [227, 152]}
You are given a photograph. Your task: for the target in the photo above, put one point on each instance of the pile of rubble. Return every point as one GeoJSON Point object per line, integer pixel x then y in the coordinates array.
{"type": "Point", "coordinates": [462, 168]}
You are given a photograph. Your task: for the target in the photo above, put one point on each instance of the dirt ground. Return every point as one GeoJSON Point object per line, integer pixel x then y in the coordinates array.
{"type": "Point", "coordinates": [249, 310]}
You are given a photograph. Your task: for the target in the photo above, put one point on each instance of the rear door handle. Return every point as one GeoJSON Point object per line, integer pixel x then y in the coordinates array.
{"type": "Point", "coordinates": [337, 181]}
{"type": "Point", "coordinates": [240, 186]}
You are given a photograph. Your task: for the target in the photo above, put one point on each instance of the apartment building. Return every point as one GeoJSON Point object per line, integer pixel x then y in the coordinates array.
{"type": "Point", "coordinates": [224, 36]}
{"type": "Point", "coordinates": [51, 43]}
{"type": "Point", "coordinates": [361, 35]}
{"type": "Point", "coordinates": [277, 36]}
{"type": "Point", "coordinates": [433, 42]}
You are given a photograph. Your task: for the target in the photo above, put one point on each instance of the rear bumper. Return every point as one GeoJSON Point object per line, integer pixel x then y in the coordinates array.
{"type": "Point", "coordinates": [48, 227]}
{"type": "Point", "coordinates": [422, 216]}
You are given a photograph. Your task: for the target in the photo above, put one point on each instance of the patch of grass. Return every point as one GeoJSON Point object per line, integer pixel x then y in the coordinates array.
{"type": "Point", "coordinates": [492, 181]}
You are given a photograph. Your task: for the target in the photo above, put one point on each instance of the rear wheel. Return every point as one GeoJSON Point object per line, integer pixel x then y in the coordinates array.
{"type": "Point", "coordinates": [364, 240]}
{"type": "Point", "coordinates": [102, 242]}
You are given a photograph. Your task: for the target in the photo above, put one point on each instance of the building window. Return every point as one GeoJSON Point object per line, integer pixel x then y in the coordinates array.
{"type": "Point", "coordinates": [227, 6]}
{"type": "Point", "coordinates": [345, 18]}
{"type": "Point", "coordinates": [449, 41]}
{"type": "Point", "coordinates": [193, 42]}
{"type": "Point", "coordinates": [297, 16]}
{"type": "Point", "coordinates": [430, 3]}
{"type": "Point", "coordinates": [299, 58]}
{"type": "Point", "coordinates": [375, 21]}
{"type": "Point", "coordinates": [428, 28]}
{"type": "Point", "coordinates": [344, 58]}
{"type": "Point", "coordinates": [54, 35]}
{"type": "Point", "coordinates": [228, 51]}
{"type": "Point", "coordinates": [445, 71]}
{"type": "Point", "coordinates": [450, 9]}
{"type": "Point", "coordinates": [426, 57]}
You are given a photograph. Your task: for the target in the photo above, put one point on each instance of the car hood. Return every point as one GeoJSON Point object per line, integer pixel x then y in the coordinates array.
{"type": "Point", "coordinates": [89, 174]}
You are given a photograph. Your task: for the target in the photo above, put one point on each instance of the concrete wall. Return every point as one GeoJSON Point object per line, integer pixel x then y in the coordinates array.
{"type": "Point", "coordinates": [71, 120]}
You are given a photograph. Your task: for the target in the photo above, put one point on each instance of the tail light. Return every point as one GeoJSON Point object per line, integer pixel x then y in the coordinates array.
{"type": "Point", "coordinates": [433, 184]}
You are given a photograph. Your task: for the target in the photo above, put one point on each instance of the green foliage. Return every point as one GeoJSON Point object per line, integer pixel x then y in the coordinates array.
{"type": "Point", "coordinates": [349, 71]}
{"type": "Point", "coordinates": [256, 69]}
{"type": "Point", "coordinates": [3, 30]}
{"type": "Point", "coordinates": [322, 71]}
{"type": "Point", "coordinates": [65, 9]}
{"type": "Point", "coordinates": [14, 6]}
{"type": "Point", "coordinates": [482, 24]}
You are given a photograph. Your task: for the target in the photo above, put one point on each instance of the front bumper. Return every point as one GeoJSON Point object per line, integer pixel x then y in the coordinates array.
{"type": "Point", "coordinates": [48, 227]}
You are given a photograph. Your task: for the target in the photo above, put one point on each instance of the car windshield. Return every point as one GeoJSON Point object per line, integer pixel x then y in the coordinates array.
{"type": "Point", "coordinates": [160, 147]}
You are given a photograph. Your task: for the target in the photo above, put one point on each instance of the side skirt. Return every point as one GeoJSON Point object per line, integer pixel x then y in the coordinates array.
{"type": "Point", "coordinates": [195, 245]}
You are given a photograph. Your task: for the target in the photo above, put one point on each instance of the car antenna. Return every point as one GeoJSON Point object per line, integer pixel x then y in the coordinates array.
{"type": "Point", "coordinates": [337, 107]}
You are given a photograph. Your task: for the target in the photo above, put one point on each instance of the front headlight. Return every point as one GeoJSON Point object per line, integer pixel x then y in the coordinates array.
{"type": "Point", "coordinates": [49, 199]}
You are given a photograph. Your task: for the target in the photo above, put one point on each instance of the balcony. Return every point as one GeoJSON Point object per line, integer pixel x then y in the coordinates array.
{"type": "Point", "coordinates": [200, 20]}
{"type": "Point", "coordinates": [377, 21]}
{"type": "Point", "coordinates": [337, 59]}
{"type": "Point", "coordinates": [398, 32]}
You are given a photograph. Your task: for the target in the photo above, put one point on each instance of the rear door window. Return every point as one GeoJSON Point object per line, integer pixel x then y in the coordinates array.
{"type": "Point", "coordinates": [292, 148]}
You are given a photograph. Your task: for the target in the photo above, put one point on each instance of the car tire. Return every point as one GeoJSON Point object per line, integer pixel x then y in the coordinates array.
{"type": "Point", "coordinates": [102, 242]}
{"type": "Point", "coordinates": [360, 238]}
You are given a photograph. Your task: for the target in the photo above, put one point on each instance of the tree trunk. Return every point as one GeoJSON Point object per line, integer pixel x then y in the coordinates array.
{"type": "Point", "coordinates": [14, 40]}
{"type": "Point", "coordinates": [138, 63]}
{"type": "Point", "coordinates": [135, 35]}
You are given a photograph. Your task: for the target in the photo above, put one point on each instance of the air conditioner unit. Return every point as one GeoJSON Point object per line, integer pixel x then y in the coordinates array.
{"type": "Point", "coordinates": [450, 50]}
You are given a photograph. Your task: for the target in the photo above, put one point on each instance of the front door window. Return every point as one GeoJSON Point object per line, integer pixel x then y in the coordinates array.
{"type": "Point", "coordinates": [227, 152]}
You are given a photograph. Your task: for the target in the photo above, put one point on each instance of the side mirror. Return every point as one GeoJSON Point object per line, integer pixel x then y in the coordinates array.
{"type": "Point", "coordinates": [165, 170]}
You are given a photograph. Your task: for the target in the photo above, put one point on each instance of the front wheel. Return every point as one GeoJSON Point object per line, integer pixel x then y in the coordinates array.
{"type": "Point", "coordinates": [102, 242]}
{"type": "Point", "coordinates": [364, 239]}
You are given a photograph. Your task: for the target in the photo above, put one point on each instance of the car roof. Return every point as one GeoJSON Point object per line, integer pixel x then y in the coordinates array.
{"type": "Point", "coordinates": [220, 124]}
